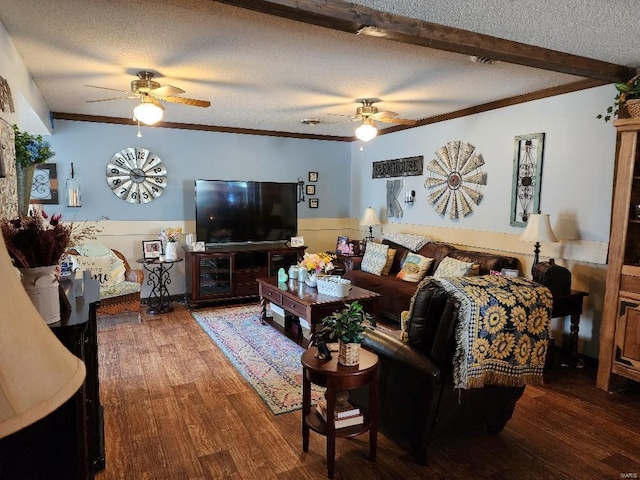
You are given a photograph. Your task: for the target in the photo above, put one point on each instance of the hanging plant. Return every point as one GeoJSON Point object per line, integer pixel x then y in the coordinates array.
{"type": "Point", "coordinates": [31, 149]}
{"type": "Point", "coordinates": [626, 91]}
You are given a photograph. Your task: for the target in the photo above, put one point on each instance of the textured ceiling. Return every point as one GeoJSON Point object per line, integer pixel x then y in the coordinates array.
{"type": "Point", "coordinates": [268, 73]}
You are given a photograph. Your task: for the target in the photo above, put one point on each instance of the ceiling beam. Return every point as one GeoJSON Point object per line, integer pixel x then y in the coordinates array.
{"type": "Point", "coordinates": [347, 17]}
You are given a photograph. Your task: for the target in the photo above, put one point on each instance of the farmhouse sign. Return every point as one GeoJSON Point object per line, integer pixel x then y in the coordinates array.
{"type": "Point", "coordinates": [400, 167]}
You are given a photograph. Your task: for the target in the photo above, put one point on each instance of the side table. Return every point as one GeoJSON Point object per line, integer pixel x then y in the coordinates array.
{"type": "Point", "coordinates": [337, 378]}
{"type": "Point", "coordinates": [571, 305]}
{"type": "Point", "coordinates": [159, 278]}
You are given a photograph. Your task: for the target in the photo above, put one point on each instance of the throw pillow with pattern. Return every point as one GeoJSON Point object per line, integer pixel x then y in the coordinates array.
{"type": "Point", "coordinates": [391, 253]}
{"type": "Point", "coordinates": [414, 268]}
{"type": "Point", "coordinates": [450, 267]}
{"type": "Point", "coordinates": [375, 258]}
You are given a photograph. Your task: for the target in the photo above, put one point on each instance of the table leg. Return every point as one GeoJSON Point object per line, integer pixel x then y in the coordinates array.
{"type": "Point", "coordinates": [573, 341]}
{"type": "Point", "coordinates": [330, 395]}
{"type": "Point", "coordinates": [306, 407]}
{"type": "Point", "coordinates": [263, 310]}
{"type": "Point", "coordinates": [373, 416]}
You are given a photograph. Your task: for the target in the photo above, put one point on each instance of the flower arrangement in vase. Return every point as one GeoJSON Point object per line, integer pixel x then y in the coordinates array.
{"type": "Point", "coordinates": [171, 236]}
{"type": "Point", "coordinates": [35, 244]}
{"type": "Point", "coordinates": [317, 264]}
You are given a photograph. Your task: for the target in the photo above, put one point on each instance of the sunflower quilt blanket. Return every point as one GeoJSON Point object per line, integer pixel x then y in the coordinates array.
{"type": "Point", "coordinates": [502, 332]}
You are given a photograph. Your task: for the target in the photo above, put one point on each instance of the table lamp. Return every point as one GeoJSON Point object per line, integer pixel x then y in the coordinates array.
{"type": "Point", "coordinates": [538, 230]}
{"type": "Point", "coordinates": [37, 373]}
{"type": "Point", "coordinates": [369, 219]}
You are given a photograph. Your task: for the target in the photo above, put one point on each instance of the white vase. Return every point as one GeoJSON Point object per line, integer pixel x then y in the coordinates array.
{"type": "Point", "coordinates": [171, 251]}
{"type": "Point", "coordinates": [41, 284]}
{"type": "Point", "coordinates": [311, 280]}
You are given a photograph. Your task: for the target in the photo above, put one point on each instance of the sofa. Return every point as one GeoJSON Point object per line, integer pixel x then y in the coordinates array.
{"type": "Point", "coordinates": [396, 293]}
{"type": "Point", "coordinates": [420, 398]}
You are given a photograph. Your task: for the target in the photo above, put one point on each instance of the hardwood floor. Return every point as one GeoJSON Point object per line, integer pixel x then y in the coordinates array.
{"type": "Point", "coordinates": [175, 408]}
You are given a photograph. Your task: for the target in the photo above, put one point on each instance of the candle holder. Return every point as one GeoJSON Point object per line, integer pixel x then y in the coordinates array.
{"type": "Point", "coordinates": [72, 189]}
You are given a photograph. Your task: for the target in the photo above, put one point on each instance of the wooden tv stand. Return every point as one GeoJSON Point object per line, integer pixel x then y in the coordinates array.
{"type": "Point", "coordinates": [229, 272]}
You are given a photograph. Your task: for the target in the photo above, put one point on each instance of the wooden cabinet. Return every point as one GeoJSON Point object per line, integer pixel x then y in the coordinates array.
{"type": "Point", "coordinates": [620, 332]}
{"type": "Point", "coordinates": [229, 272]}
{"type": "Point", "coordinates": [67, 444]}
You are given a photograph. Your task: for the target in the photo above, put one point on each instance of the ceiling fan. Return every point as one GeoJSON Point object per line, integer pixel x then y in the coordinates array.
{"type": "Point", "coordinates": [150, 93]}
{"type": "Point", "coordinates": [368, 115]}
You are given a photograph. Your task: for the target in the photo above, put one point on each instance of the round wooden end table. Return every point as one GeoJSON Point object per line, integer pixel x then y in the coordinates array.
{"type": "Point", "coordinates": [337, 378]}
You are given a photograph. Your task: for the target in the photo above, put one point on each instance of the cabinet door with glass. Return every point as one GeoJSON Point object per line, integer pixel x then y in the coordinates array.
{"type": "Point", "coordinates": [214, 276]}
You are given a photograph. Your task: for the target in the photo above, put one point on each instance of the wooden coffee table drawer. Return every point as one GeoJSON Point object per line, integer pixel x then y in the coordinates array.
{"type": "Point", "coordinates": [272, 295]}
{"type": "Point", "coordinates": [294, 307]}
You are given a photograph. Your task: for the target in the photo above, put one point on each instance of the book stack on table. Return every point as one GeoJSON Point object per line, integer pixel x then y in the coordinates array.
{"type": "Point", "coordinates": [346, 415]}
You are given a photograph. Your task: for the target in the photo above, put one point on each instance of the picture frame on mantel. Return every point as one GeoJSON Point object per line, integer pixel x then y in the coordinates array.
{"type": "Point", "coordinates": [528, 153]}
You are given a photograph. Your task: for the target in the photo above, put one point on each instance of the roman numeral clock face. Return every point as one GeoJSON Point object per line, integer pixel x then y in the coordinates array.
{"type": "Point", "coordinates": [136, 175]}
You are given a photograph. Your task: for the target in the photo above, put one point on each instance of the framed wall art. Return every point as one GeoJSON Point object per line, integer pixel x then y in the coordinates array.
{"type": "Point", "coordinates": [313, 203]}
{"type": "Point", "coordinates": [313, 176]}
{"type": "Point", "coordinates": [311, 189]}
{"type": "Point", "coordinates": [44, 189]}
{"type": "Point", "coordinates": [527, 177]}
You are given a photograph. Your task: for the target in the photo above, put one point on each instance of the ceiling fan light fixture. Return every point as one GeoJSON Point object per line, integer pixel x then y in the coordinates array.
{"type": "Point", "coordinates": [367, 131]}
{"type": "Point", "coordinates": [148, 111]}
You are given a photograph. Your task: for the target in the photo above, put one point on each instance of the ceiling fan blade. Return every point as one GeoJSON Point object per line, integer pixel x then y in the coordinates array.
{"type": "Point", "coordinates": [353, 118]}
{"type": "Point", "coordinates": [187, 101]}
{"type": "Point", "coordinates": [386, 114]}
{"type": "Point", "coordinates": [166, 90]}
{"type": "Point", "coordinates": [112, 89]}
{"type": "Point", "coordinates": [403, 121]}
{"type": "Point", "coordinates": [109, 99]}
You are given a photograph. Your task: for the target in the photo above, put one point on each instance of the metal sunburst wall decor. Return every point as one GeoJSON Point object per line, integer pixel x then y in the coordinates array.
{"type": "Point", "coordinates": [456, 179]}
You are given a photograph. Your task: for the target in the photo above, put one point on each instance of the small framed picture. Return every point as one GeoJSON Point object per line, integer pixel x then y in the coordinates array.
{"type": "Point", "coordinates": [507, 272]}
{"type": "Point", "coordinates": [151, 249]}
{"type": "Point", "coordinates": [311, 189]}
{"type": "Point", "coordinates": [313, 203]}
{"type": "Point", "coordinates": [343, 247]}
{"type": "Point", "coordinates": [313, 176]}
{"type": "Point", "coordinates": [44, 189]}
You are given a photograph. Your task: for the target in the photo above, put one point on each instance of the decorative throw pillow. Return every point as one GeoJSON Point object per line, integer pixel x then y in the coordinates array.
{"type": "Point", "coordinates": [375, 258]}
{"type": "Point", "coordinates": [408, 240]}
{"type": "Point", "coordinates": [404, 326]}
{"type": "Point", "coordinates": [450, 267]}
{"type": "Point", "coordinates": [100, 268]}
{"type": "Point", "coordinates": [415, 268]}
{"type": "Point", "coordinates": [117, 271]}
{"type": "Point", "coordinates": [391, 253]}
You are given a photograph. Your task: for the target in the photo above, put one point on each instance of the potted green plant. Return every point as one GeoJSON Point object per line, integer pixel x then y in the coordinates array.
{"type": "Point", "coordinates": [347, 326]}
{"type": "Point", "coordinates": [628, 96]}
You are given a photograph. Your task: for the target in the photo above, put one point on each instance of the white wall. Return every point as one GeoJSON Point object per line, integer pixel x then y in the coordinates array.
{"type": "Point", "coordinates": [577, 179]}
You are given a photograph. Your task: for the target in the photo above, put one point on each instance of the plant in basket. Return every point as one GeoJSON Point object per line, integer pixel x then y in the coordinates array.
{"type": "Point", "coordinates": [347, 326]}
{"type": "Point", "coordinates": [628, 96]}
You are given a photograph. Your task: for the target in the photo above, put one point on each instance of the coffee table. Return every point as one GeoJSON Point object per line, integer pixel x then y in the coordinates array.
{"type": "Point", "coordinates": [303, 301]}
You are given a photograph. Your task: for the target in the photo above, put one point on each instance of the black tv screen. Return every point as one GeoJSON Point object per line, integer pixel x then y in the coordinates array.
{"type": "Point", "coordinates": [237, 211]}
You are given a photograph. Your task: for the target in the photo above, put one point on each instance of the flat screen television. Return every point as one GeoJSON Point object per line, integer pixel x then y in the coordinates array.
{"type": "Point", "coordinates": [232, 211]}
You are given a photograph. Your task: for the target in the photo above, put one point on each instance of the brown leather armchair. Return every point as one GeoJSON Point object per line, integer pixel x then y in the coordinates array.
{"type": "Point", "coordinates": [418, 403]}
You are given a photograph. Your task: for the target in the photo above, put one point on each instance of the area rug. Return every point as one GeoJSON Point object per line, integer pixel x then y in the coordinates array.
{"type": "Point", "coordinates": [268, 360]}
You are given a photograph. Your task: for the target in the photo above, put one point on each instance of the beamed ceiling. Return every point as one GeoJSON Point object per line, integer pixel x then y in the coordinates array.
{"type": "Point", "coordinates": [267, 65]}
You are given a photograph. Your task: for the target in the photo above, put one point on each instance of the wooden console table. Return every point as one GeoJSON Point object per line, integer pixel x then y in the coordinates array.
{"type": "Point", "coordinates": [67, 444]}
{"type": "Point", "coordinates": [336, 377]}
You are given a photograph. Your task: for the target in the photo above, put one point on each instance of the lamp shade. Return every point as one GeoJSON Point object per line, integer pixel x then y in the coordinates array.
{"type": "Point", "coordinates": [37, 373]}
{"type": "Point", "coordinates": [148, 111]}
{"type": "Point", "coordinates": [367, 131]}
{"type": "Point", "coordinates": [538, 229]}
{"type": "Point", "coordinates": [369, 218]}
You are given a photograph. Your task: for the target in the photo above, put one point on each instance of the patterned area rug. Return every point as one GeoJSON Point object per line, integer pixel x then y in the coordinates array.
{"type": "Point", "coordinates": [268, 360]}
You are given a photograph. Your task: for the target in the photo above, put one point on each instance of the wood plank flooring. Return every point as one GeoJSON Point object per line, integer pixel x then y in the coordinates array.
{"type": "Point", "coordinates": [175, 408]}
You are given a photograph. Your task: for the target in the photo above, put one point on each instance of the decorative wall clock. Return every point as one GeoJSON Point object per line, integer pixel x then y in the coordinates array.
{"type": "Point", "coordinates": [456, 179]}
{"type": "Point", "coordinates": [136, 175]}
